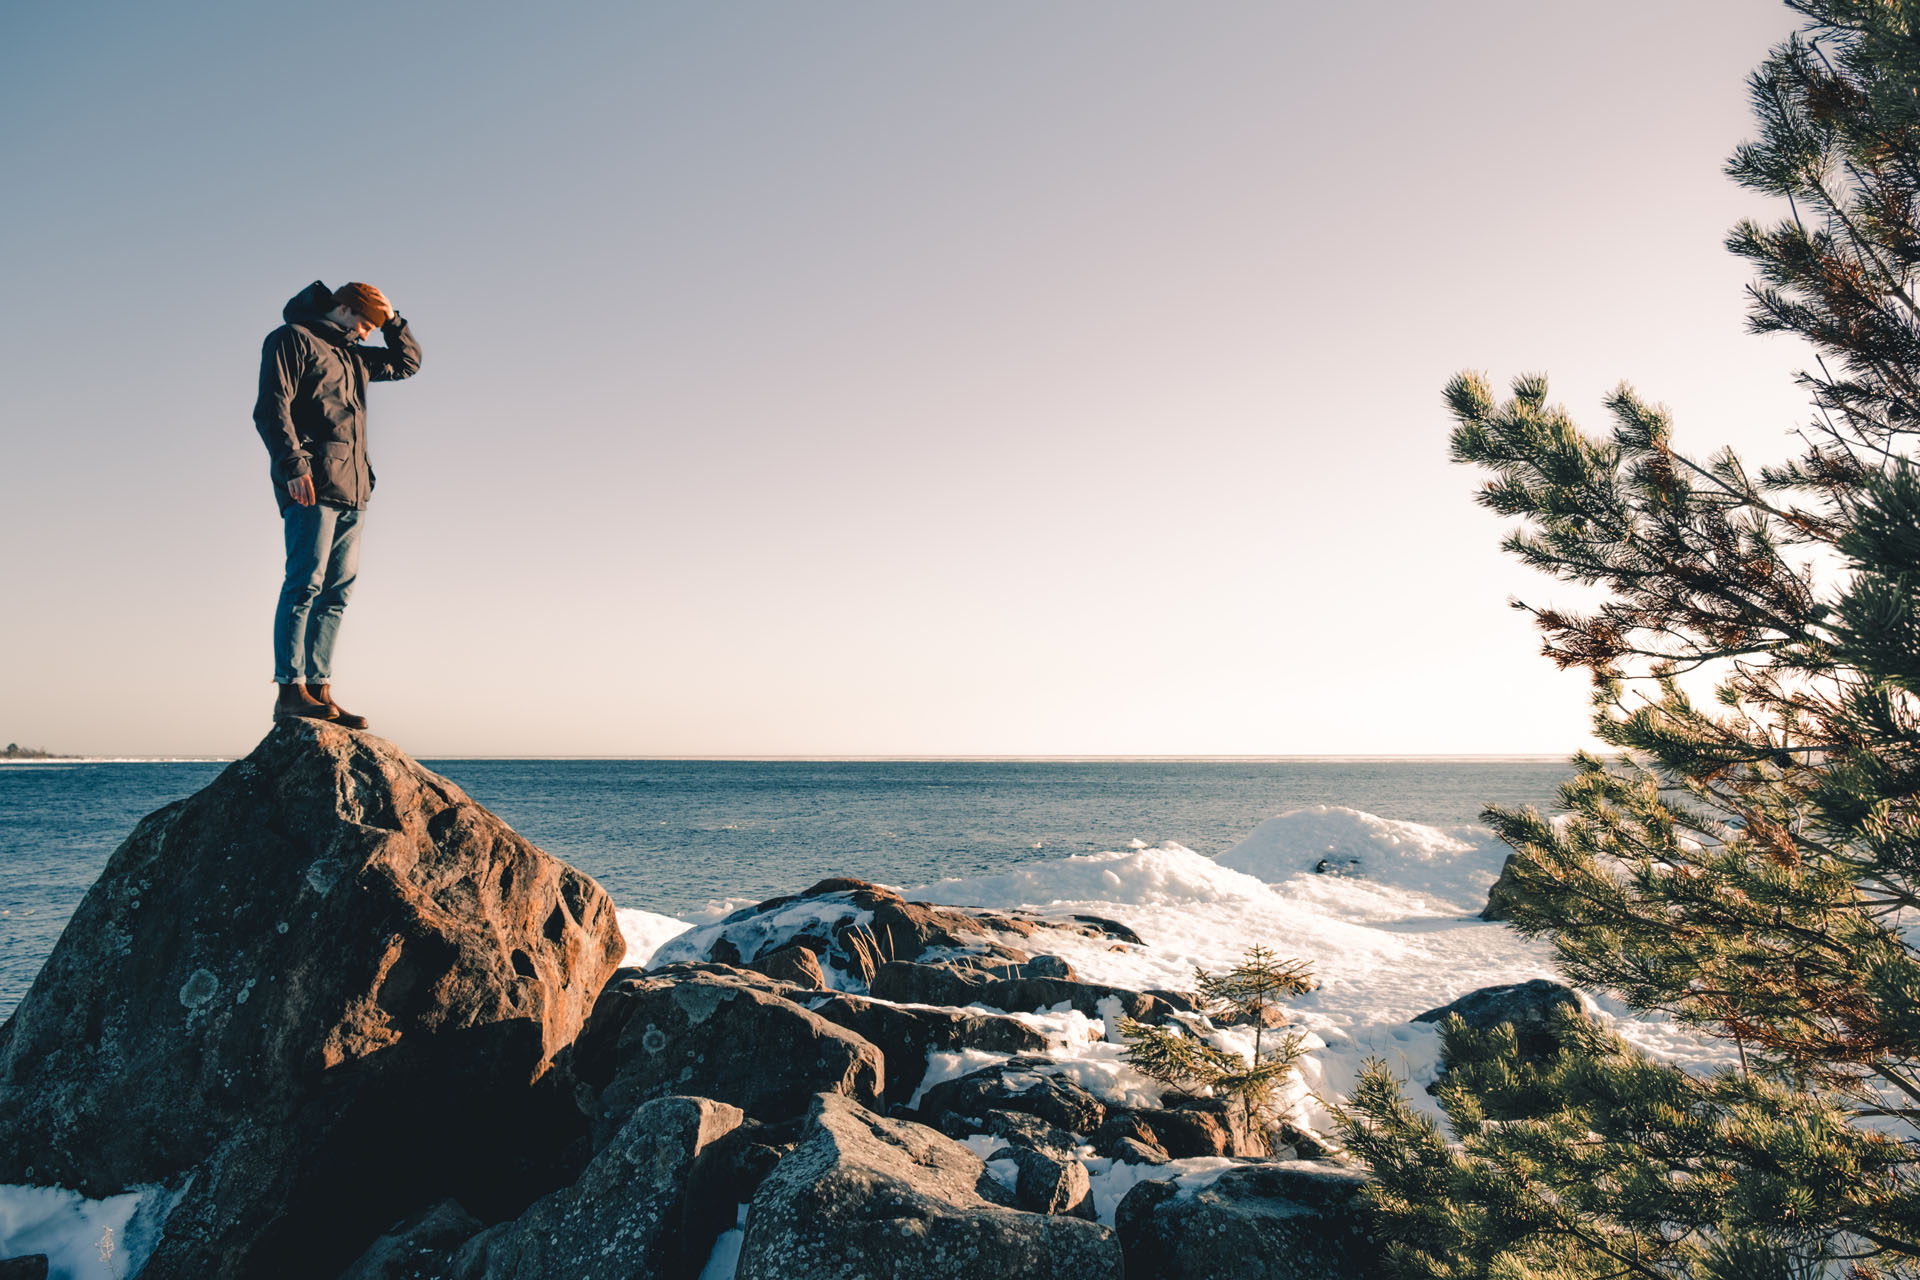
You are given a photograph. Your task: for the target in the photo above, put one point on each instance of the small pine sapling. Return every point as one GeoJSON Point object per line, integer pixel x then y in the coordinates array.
{"type": "Point", "coordinates": [1251, 992]}
{"type": "Point", "coordinates": [1176, 1058]}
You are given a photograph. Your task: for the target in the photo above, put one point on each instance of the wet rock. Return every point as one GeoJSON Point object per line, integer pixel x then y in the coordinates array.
{"type": "Point", "coordinates": [907, 1036]}
{"type": "Point", "coordinates": [642, 1210]}
{"type": "Point", "coordinates": [1529, 1006]}
{"type": "Point", "coordinates": [419, 1247]}
{"type": "Point", "coordinates": [1033, 1086]}
{"type": "Point", "coordinates": [1048, 1182]}
{"type": "Point", "coordinates": [718, 1034]}
{"type": "Point", "coordinates": [1297, 1220]}
{"type": "Point", "coordinates": [795, 965]}
{"type": "Point", "coordinates": [867, 1196]}
{"type": "Point", "coordinates": [300, 986]}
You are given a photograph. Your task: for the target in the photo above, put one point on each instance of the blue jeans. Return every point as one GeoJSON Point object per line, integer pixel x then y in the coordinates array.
{"type": "Point", "coordinates": [323, 558]}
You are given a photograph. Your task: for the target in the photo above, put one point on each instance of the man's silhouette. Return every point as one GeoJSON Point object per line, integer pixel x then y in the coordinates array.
{"type": "Point", "coordinates": [312, 414]}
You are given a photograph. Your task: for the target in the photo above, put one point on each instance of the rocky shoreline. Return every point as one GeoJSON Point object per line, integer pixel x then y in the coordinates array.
{"type": "Point", "coordinates": [337, 1020]}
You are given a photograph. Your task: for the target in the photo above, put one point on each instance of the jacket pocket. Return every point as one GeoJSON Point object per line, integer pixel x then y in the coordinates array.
{"type": "Point", "coordinates": [333, 470]}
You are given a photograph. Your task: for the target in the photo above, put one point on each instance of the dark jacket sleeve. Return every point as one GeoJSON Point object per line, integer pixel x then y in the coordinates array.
{"type": "Point", "coordinates": [400, 358]}
{"type": "Point", "coordinates": [282, 361]}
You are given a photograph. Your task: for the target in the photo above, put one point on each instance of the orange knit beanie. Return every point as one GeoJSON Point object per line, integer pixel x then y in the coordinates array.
{"type": "Point", "coordinates": [365, 300]}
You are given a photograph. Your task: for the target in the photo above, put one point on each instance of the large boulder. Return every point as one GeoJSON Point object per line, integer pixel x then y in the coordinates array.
{"type": "Point", "coordinates": [718, 1033]}
{"type": "Point", "coordinates": [644, 1209]}
{"type": "Point", "coordinates": [1295, 1220]}
{"type": "Point", "coordinates": [318, 995]}
{"type": "Point", "coordinates": [1529, 1006]}
{"type": "Point", "coordinates": [867, 1196]}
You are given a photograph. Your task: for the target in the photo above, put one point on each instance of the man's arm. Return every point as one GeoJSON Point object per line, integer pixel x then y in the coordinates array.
{"type": "Point", "coordinates": [400, 358]}
{"type": "Point", "coordinates": [281, 363]}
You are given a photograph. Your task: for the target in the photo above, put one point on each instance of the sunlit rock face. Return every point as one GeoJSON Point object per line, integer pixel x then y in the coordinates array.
{"type": "Point", "coordinates": [316, 995]}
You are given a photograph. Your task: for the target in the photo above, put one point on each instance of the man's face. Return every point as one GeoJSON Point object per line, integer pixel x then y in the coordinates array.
{"type": "Point", "coordinates": [356, 325]}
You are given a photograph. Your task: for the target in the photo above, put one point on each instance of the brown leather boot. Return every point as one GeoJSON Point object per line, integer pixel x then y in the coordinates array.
{"type": "Point", "coordinates": [294, 700]}
{"type": "Point", "coordinates": [339, 714]}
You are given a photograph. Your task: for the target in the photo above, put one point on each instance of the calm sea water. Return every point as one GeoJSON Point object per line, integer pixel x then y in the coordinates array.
{"type": "Point", "coordinates": [676, 836]}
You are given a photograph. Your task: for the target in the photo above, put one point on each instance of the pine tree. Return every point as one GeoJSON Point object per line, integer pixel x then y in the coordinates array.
{"type": "Point", "coordinates": [1750, 864]}
{"type": "Point", "coordinates": [1176, 1057]}
{"type": "Point", "coordinates": [1249, 992]}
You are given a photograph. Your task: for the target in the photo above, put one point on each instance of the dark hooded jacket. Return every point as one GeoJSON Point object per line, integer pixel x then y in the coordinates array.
{"type": "Point", "coordinates": [312, 410]}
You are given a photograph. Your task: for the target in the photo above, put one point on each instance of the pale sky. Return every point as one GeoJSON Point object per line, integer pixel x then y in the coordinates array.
{"type": "Point", "coordinates": [921, 379]}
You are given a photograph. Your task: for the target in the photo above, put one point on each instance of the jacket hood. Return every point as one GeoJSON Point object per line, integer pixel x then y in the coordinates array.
{"type": "Point", "coordinates": [308, 309]}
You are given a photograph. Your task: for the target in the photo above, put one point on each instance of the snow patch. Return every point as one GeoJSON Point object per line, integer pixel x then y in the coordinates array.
{"type": "Point", "coordinates": [1165, 875]}
{"type": "Point", "coordinates": [1332, 840]}
{"type": "Point", "coordinates": [725, 1258]}
{"type": "Point", "coordinates": [646, 932]}
{"type": "Point", "coordinates": [83, 1239]}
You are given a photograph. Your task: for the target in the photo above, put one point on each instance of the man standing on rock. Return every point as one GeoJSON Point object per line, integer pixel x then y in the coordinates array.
{"type": "Point", "coordinates": [312, 414]}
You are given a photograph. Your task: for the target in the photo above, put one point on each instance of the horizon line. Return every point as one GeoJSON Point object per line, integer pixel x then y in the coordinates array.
{"type": "Point", "coordinates": [1376, 757]}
